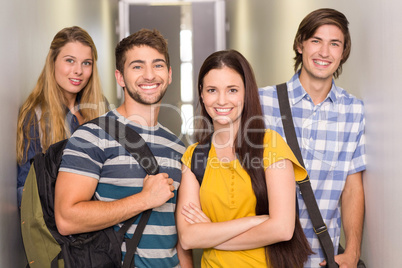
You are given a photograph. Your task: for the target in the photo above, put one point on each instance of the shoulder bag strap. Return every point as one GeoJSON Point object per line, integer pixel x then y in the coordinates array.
{"type": "Point", "coordinates": [139, 149]}
{"type": "Point", "coordinates": [199, 160]}
{"type": "Point", "coordinates": [305, 186]}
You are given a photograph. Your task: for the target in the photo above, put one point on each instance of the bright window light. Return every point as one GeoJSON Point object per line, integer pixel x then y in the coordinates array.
{"type": "Point", "coordinates": [186, 45]}
{"type": "Point", "coordinates": [187, 113]}
{"type": "Point", "coordinates": [186, 89]}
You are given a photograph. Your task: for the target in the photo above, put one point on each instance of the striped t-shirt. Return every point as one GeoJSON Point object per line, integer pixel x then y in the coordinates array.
{"type": "Point", "coordinates": [91, 152]}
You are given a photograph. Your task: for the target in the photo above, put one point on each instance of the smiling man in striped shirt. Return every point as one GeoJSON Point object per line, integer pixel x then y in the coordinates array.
{"type": "Point", "coordinates": [94, 163]}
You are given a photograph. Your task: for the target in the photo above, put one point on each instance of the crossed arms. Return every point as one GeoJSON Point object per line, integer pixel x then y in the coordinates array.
{"type": "Point", "coordinates": [197, 231]}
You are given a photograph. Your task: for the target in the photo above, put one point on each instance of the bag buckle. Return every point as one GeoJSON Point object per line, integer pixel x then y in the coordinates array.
{"type": "Point", "coordinates": [307, 179]}
{"type": "Point", "coordinates": [320, 229]}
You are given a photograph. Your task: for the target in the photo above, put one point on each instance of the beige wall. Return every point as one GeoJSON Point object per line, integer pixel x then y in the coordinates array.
{"type": "Point", "coordinates": [26, 30]}
{"type": "Point", "coordinates": [263, 30]}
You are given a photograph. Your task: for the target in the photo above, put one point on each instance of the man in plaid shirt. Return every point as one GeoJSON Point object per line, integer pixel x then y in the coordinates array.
{"type": "Point", "coordinates": [329, 125]}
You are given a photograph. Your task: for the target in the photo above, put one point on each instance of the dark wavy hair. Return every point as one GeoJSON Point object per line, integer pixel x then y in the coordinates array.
{"type": "Point", "coordinates": [144, 37]}
{"type": "Point", "coordinates": [310, 24]}
{"type": "Point", "coordinates": [292, 253]}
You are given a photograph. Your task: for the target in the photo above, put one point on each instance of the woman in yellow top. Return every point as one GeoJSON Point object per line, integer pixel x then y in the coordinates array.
{"type": "Point", "coordinates": [244, 213]}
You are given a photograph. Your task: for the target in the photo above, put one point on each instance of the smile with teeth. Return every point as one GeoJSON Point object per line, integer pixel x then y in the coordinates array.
{"type": "Point", "coordinates": [153, 86]}
{"type": "Point", "coordinates": [223, 110]}
{"type": "Point", "coordinates": [75, 81]}
{"type": "Point", "coordinates": [321, 63]}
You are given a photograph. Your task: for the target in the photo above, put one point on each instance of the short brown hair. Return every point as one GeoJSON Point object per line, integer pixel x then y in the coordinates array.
{"type": "Point", "coordinates": [310, 24]}
{"type": "Point", "coordinates": [152, 38]}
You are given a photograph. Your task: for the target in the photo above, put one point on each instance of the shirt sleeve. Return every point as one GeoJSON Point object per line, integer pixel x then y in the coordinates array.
{"type": "Point", "coordinates": [85, 152]}
{"type": "Point", "coordinates": [277, 149]}
{"type": "Point", "coordinates": [34, 148]}
{"type": "Point", "coordinates": [358, 162]}
{"type": "Point", "coordinates": [186, 159]}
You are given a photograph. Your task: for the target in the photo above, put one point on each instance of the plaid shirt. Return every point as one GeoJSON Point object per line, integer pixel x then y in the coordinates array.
{"type": "Point", "coordinates": [331, 135]}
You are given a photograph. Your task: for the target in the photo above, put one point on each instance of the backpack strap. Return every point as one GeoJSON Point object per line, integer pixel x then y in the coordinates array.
{"type": "Point", "coordinates": [131, 141]}
{"type": "Point", "coordinates": [199, 160]}
{"type": "Point", "coordinates": [320, 228]}
{"type": "Point", "coordinates": [138, 148]}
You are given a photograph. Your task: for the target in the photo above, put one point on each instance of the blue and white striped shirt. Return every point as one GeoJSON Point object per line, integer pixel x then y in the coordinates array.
{"type": "Point", "coordinates": [92, 152]}
{"type": "Point", "coordinates": [332, 141]}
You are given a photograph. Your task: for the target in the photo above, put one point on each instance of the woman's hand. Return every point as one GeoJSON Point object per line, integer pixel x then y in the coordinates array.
{"type": "Point", "coordinates": [194, 214]}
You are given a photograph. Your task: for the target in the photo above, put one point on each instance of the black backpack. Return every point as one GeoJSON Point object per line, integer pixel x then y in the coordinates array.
{"type": "Point", "coordinates": [44, 245]}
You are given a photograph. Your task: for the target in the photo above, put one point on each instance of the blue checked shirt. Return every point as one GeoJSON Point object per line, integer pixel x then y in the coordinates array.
{"type": "Point", "coordinates": [331, 135]}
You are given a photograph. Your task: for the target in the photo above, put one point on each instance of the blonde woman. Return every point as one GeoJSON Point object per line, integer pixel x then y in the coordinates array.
{"type": "Point", "coordinates": [67, 94]}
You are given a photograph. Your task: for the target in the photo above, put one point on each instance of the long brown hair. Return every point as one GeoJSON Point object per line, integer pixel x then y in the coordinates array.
{"type": "Point", "coordinates": [309, 25]}
{"type": "Point", "coordinates": [49, 98]}
{"type": "Point", "coordinates": [292, 253]}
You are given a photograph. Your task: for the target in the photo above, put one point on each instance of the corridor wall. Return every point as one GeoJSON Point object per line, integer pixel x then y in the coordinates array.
{"type": "Point", "coordinates": [26, 30]}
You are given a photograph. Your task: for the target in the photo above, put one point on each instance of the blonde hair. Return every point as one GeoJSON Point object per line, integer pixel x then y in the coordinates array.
{"type": "Point", "coordinates": [49, 98]}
